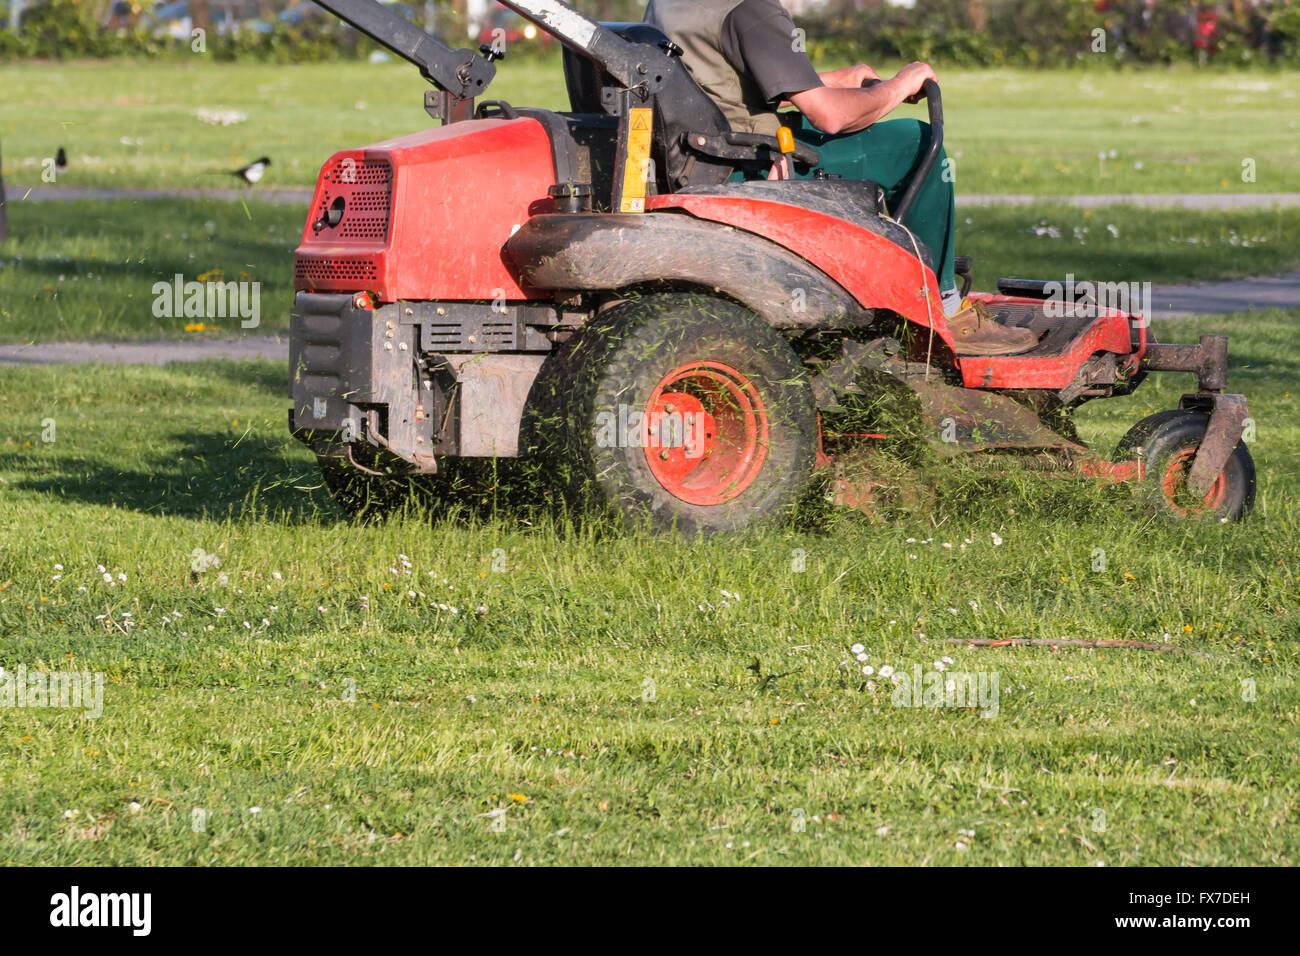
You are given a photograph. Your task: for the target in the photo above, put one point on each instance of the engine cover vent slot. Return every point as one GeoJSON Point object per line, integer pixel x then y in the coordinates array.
{"type": "Point", "coordinates": [471, 334]}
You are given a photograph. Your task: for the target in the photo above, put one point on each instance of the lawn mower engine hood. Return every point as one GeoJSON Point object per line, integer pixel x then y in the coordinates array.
{"type": "Point", "coordinates": [425, 216]}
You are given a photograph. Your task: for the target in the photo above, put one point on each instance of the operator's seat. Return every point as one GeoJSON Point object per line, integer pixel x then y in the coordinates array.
{"type": "Point", "coordinates": [682, 107]}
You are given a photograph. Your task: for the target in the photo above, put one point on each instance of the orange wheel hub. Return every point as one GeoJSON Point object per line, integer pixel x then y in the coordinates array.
{"type": "Point", "coordinates": [706, 433]}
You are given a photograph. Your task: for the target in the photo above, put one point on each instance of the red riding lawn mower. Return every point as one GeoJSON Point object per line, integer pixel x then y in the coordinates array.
{"type": "Point", "coordinates": [597, 290]}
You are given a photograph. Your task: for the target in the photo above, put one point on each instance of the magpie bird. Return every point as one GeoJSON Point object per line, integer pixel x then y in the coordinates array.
{"type": "Point", "coordinates": [253, 172]}
{"type": "Point", "coordinates": [61, 160]}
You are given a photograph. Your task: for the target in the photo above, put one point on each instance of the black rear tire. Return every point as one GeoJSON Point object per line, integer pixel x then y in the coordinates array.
{"type": "Point", "coordinates": [743, 443]}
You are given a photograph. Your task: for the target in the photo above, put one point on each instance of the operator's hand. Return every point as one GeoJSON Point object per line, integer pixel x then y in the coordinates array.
{"type": "Point", "coordinates": [849, 77]}
{"type": "Point", "coordinates": [912, 77]}
{"type": "Point", "coordinates": [862, 73]}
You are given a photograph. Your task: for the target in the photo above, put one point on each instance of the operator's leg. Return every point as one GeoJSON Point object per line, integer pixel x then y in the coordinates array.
{"type": "Point", "coordinates": [888, 153]}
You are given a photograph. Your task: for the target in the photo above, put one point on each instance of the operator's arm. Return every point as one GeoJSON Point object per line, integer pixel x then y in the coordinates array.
{"type": "Point", "coordinates": [846, 110]}
{"type": "Point", "coordinates": [761, 41]}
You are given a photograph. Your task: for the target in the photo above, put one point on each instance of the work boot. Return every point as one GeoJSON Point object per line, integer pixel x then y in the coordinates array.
{"type": "Point", "coordinates": [976, 332]}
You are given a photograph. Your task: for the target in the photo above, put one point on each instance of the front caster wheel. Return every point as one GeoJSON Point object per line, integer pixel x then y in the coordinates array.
{"type": "Point", "coordinates": [1166, 443]}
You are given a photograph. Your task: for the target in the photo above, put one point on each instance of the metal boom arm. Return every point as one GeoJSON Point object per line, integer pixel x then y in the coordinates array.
{"type": "Point", "coordinates": [461, 73]}
{"type": "Point", "coordinates": [630, 64]}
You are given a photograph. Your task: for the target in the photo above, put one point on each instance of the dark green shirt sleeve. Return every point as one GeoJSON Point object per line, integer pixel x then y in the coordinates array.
{"type": "Point", "coordinates": [759, 39]}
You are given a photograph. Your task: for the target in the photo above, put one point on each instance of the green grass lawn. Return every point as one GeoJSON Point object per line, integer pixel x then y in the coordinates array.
{"type": "Point", "coordinates": [1040, 132]}
{"type": "Point", "coordinates": [310, 696]}
{"type": "Point", "coordinates": [86, 269]}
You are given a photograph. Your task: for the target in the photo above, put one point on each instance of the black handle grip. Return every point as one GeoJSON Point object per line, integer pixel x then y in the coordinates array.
{"type": "Point", "coordinates": [930, 90]}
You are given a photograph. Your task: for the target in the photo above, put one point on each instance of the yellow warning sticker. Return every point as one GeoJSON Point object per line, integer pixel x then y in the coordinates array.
{"type": "Point", "coordinates": [637, 169]}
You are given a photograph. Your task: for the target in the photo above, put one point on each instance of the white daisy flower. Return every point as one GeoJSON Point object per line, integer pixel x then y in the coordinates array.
{"type": "Point", "coordinates": [886, 672]}
{"type": "Point", "coordinates": [857, 649]}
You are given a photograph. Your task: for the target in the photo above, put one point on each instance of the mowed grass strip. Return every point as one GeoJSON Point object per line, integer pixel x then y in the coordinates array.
{"type": "Point", "coordinates": [1043, 132]}
{"type": "Point", "coordinates": [317, 700]}
{"type": "Point", "coordinates": [87, 269]}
